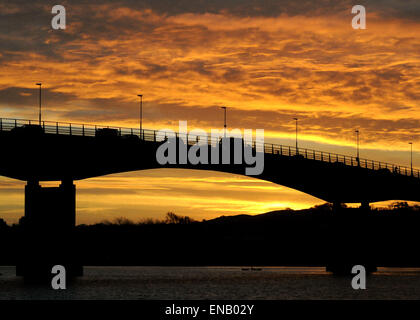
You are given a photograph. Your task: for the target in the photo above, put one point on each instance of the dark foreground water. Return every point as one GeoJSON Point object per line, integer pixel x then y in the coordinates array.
{"type": "Point", "coordinates": [216, 283]}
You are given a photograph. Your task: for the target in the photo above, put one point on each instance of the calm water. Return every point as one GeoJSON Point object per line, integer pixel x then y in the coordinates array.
{"type": "Point", "coordinates": [217, 283]}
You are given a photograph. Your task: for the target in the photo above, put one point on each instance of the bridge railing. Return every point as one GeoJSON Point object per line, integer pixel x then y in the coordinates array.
{"type": "Point", "coordinates": [339, 158]}
{"type": "Point", "coordinates": [65, 128]}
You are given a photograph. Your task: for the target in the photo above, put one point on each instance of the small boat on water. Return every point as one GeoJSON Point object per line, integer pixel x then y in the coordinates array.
{"type": "Point", "coordinates": [252, 269]}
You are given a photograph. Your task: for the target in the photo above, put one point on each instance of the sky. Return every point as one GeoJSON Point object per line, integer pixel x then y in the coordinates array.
{"type": "Point", "coordinates": [267, 61]}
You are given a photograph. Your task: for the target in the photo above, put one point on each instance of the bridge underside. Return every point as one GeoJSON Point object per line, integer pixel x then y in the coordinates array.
{"type": "Point", "coordinates": [48, 238]}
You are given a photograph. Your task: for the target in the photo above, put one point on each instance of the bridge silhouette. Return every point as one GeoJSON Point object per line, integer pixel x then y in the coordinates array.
{"type": "Point", "coordinates": [57, 151]}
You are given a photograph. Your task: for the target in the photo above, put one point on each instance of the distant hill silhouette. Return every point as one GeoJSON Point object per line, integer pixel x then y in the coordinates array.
{"type": "Point", "coordinates": [285, 237]}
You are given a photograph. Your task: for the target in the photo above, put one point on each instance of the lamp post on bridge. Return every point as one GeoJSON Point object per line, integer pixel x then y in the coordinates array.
{"type": "Point", "coordinates": [357, 144]}
{"type": "Point", "coordinates": [411, 157]}
{"type": "Point", "coordinates": [141, 114]}
{"type": "Point", "coordinates": [39, 84]}
{"type": "Point", "coordinates": [297, 150]}
{"type": "Point", "coordinates": [224, 121]}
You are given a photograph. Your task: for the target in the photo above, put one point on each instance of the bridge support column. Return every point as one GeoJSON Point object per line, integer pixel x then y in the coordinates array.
{"type": "Point", "coordinates": [350, 240]}
{"type": "Point", "coordinates": [48, 231]}
{"type": "Point", "coordinates": [337, 207]}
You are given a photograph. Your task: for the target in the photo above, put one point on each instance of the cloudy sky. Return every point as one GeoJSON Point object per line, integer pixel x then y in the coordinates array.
{"type": "Point", "coordinates": [268, 61]}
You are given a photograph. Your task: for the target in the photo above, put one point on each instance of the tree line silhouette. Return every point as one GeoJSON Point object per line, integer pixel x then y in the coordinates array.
{"type": "Point", "coordinates": [287, 237]}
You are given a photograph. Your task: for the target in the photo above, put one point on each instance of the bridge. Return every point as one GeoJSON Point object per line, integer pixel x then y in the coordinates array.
{"type": "Point", "coordinates": [66, 152]}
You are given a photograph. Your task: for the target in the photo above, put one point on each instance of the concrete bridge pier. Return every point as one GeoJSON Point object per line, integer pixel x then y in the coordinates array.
{"type": "Point", "coordinates": [350, 241]}
{"type": "Point", "coordinates": [48, 231]}
{"type": "Point", "coordinates": [364, 206]}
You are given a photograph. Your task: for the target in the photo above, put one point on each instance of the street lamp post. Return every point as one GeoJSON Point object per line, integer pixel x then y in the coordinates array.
{"type": "Point", "coordinates": [39, 84]}
{"type": "Point", "coordinates": [224, 121]}
{"type": "Point", "coordinates": [411, 157]}
{"type": "Point", "coordinates": [141, 115]}
{"type": "Point", "coordinates": [297, 150]}
{"type": "Point", "coordinates": [357, 143]}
